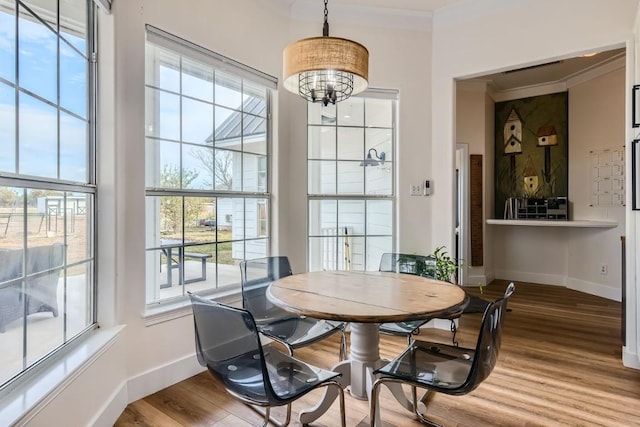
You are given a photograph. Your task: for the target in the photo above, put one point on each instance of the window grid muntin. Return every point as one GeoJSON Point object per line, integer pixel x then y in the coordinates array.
{"type": "Point", "coordinates": [336, 196]}
{"type": "Point", "coordinates": [233, 193]}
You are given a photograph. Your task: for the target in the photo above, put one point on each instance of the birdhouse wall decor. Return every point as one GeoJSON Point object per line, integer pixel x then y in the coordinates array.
{"type": "Point", "coordinates": [547, 136]}
{"type": "Point", "coordinates": [531, 149]}
{"type": "Point", "coordinates": [513, 134]}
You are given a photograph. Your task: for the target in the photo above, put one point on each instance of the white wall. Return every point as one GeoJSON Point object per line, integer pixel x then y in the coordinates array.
{"type": "Point", "coordinates": [473, 38]}
{"type": "Point", "coordinates": [247, 31]}
{"type": "Point", "coordinates": [572, 257]}
{"type": "Point", "coordinates": [398, 60]}
{"type": "Point", "coordinates": [596, 121]}
{"type": "Point", "coordinates": [476, 38]}
{"type": "Point", "coordinates": [472, 127]}
{"type": "Point", "coordinates": [569, 257]}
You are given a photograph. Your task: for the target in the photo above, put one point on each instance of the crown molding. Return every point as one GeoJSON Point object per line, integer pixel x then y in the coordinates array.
{"type": "Point", "coordinates": [388, 17]}
{"type": "Point", "coordinates": [469, 10]}
{"type": "Point", "coordinates": [615, 63]}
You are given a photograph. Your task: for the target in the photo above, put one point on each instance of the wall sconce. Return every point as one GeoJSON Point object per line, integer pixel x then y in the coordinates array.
{"type": "Point", "coordinates": [371, 161]}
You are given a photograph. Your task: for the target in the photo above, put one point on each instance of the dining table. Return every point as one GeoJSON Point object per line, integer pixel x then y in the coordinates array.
{"type": "Point", "coordinates": [365, 299]}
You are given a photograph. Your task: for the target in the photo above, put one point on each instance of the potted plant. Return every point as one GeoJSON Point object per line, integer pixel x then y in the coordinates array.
{"type": "Point", "coordinates": [438, 265]}
{"type": "Point", "coordinates": [444, 267]}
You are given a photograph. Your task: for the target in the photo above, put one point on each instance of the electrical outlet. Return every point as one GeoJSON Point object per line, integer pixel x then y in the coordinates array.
{"type": "Point", "coordinates": [603, 269]}
{"type": "Point", "coordinates": [415, 190]}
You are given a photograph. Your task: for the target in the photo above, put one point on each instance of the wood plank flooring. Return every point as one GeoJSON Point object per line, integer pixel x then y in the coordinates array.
{"type": "Point", "coordinates": [559, 365]}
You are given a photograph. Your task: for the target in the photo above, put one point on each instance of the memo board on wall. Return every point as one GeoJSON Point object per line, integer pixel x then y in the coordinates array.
{"type": "Point", "coordinates": [607, 177]}
{"type": "Point", "coordinates": [531, 148]}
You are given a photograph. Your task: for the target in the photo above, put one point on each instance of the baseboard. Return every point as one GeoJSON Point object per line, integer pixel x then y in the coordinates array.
{"type": "Point", "coordinates": [112, 409]}
{"type": "Point", "coordinates": [530, 277]}
{"type": "Point", "coordinates": [629, 359]}
{"type": "Point", "coordinates": [444, 324]}
{"type": "Point", "coordinates": [476, 280]}
{"type": "Point", "coordinates": [162, 377]}
{"type": "Point", "coordinates": [595, 289]}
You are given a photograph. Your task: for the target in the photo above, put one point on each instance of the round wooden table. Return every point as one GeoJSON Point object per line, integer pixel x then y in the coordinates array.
{"type": "Point", "coordinates": [365, 299]}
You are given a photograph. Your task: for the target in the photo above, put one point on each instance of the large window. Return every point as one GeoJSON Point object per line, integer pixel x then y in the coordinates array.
{"type": "Point", "coordinates": [47, 189]}
{"type": "Point", "coordinates": [207, 156]}
{"type": "Point", "coordinates": [351, 182]}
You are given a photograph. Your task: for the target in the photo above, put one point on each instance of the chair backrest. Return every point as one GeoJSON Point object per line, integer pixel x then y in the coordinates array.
{"type": "Point", "coordinates": [256, 276]}
{"type": "Point", "coordinates": [489, 341]}
{"type": "Point", "coordinates": [227, 343]}
{"type": "Point", "coordinates": [418, 265]}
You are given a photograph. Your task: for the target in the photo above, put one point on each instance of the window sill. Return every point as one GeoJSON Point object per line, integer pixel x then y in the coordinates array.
{"type": "Point", "coordinates": [181, 308]}
{"type": "Point", "coordinates": [29, 396]}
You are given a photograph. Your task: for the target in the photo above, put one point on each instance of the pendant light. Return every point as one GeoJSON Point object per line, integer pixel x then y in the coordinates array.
{"type": "Point", "coordinates": [326, 69]}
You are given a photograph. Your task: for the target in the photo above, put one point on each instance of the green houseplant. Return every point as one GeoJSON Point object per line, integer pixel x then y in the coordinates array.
{"type": "Point", "coordinates": [445, 267]}
{"type": "Point", "coordinates": [438, 265]}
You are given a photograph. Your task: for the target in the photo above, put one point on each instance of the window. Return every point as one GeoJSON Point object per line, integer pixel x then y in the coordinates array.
{"type": "Point", "coordinates": [47, 182]}
{"type": "Point", "coordinates": [351, 198]}
{"type": "Point", "coordinates": [207, 151]}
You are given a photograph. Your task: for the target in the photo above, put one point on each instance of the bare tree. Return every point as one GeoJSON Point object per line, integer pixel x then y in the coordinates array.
{"type": "Point", "coordinates": [219, 164]}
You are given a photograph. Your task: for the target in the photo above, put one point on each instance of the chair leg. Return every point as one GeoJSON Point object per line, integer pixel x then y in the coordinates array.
{"type": "Point", "coordinates": [375, 390]}
{"type": "Point", "coordinates": [269, 419]}
{"type": "Point", "coordinates": [343, 346]}
{"type": "Point", "coordinates": [417, 404]}
{"type": "Point", "coordinates": [343, 420]}
{"type": "Point", "coordinates": [454, 329]}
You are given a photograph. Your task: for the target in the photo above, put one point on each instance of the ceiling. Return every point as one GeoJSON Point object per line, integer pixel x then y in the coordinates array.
{"type": "Point", "coordinates": [418, 15]}
{"type": "Point", "coordinates": [410, 5]}
{"type": "Point", "coordinates": [423, 5]}
{"type": "Point", "coordinates": [550, 72]}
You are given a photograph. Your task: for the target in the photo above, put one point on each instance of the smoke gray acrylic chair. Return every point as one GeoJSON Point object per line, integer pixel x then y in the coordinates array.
{"type": "Point", "coordinates": [445, 368]}
{"type": "Point", "coordinates": [418, 265]}
{"type": "Point", "coordinates": [228, 345]}
{"type": "Point", "coordinates": [287, 328]}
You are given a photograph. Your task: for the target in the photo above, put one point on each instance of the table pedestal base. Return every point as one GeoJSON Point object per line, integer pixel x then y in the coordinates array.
{"type": "Point", "coordinates": [357, 373]}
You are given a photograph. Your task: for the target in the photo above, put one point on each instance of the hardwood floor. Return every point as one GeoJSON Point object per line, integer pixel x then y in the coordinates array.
{"type": "Point", "coordinates": [559, 365]}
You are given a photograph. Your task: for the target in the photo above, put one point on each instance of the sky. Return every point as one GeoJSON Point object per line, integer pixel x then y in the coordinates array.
{"type": "Point", "coordinates": [37, 126]}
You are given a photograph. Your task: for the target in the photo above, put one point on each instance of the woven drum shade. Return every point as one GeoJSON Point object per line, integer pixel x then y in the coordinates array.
{"type": "Point", "coordinates": [343, 62]}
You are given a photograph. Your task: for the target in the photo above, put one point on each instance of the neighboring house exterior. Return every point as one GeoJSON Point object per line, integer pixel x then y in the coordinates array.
{"type": "Point", "coordinates": [228, 137]}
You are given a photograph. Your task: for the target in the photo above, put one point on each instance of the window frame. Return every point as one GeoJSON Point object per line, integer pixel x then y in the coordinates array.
{"type": "Point", "coordinates": [379, 94]}
{"type": "Point", "coordinates": [88, 187]}
{"type": "Point", "coordinates": [230, 68]}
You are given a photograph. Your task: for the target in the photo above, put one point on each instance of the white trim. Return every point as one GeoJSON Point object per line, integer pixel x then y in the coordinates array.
{"type": "Point", "coordinates": [464, 229]}
{"type": "Point", "coordinates": [112, 408]}
{"type": "Point", "coordinates": [162, 376]}
{"type": "Point", "coordinates": [584, 286]}
{"type": "Point", "coordinates": [616, 63]}
{"type": "Point", "coordinates": [529, 91]}
{"type": "Point", "coordinates": [344, 13]}
{"type": "Point", "coordinates": [165, 312]}
{"type": "Point", "coordinates": [629, 359]}
{"type": "Point", "coordinates": [464, 11]}
{"type": "Point", "coordinates": [596, 289]}
{"type": "Point", "coordinates": [105, 5]}
{"type": "Point", "coordinates": [33, 395]}
{"type": "Point", "coordinates": [474, 279]}
{"type": "Point", "coordinates": [531, 277]}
